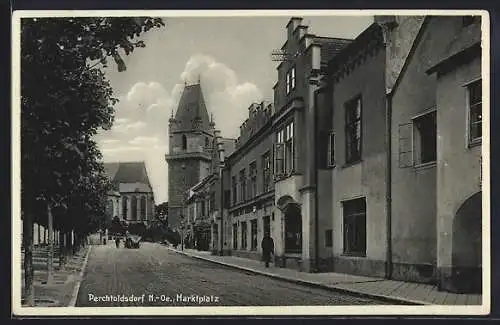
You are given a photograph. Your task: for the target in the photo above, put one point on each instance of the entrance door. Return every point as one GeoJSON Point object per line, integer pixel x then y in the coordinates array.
{"type": "Point", "coordinates": [267, 225]}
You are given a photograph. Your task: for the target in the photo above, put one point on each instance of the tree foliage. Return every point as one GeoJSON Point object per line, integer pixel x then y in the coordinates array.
{"type": "Point", "coordinates": [66, 99]}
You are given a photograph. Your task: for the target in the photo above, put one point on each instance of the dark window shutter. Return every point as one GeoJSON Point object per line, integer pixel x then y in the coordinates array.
{"type": "Point", "coordinates": [405, 152]}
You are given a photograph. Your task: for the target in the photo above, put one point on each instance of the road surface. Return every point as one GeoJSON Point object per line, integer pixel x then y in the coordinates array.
{"type": "Point", "coordinates": [155, 276]}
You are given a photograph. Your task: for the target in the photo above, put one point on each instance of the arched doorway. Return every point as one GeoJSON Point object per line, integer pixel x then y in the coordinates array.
{"type": "Point", "coordinates": [466, 249]}
{"type": "Point", "coordinates": [293, 224]}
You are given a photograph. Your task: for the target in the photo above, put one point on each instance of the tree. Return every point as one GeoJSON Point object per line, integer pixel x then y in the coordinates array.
{"type": "Point", "coordinates": [161, 212]}
{"type": "Point", "coordinates": [65, 99]}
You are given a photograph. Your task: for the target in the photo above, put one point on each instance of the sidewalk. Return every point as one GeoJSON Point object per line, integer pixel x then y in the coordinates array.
{"type": "Point", "coordinates": [389, 290]}
{"type": "Point", "coordinates": [63, 290]}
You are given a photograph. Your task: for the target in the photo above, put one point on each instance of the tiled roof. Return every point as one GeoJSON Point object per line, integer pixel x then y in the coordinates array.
{"type": "Point", "coordinates": [371, 34]}
{"type": "Point", "coordinates": [330, 47]}
{"type": "Point", "coordinates": [127, 172]}
{"type": "Point", "coordinates": [192, 106]}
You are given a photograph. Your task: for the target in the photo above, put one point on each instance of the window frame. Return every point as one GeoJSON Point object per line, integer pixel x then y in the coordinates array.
{"type": "Point", "coordinates": [252, 175]}
{"type": "Point", "coordinates": [266, 171]}
{"type": "Point", "coordinates": [254, 243]}
{"type": "Point", "coordinates": [416, 160]}
{"type": "Point", "coordinates": [288, 82]}
{"type": "Point", "coordinates": [244, 235]}
{"type": "Point", "coordinates": [349, 159]}
{"type": "Point", "coordinates": [348, 251]}
{"type": "Point", "coordinates": [234, 189]}
{"type": "Point", "coordinates": [472, 142]}
{"type": "Point", "coordinates": [235, 236]}
{"type": "Point", "coordinates": [329, 238]}
{"type": "Point", "coordinates": [331, 150]}
{"type": "Point", "coordinates": [243, 185]}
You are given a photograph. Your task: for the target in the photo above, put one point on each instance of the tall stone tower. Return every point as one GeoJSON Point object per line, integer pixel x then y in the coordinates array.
{"type": "Point", "coordinates": [191, 133]}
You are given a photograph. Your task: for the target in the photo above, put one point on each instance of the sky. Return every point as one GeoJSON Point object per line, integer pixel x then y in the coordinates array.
{"type": "Point", "coordinates": [231, 56]}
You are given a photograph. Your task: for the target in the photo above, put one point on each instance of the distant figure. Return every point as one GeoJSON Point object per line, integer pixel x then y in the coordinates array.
{"type": "Point", "coordinates": [117, 241]}
{"type": "Point", "coordinates": [267, 248]}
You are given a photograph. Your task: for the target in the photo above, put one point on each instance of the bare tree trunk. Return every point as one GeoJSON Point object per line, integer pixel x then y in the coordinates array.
{"type": "Point", "coordinates": [68, 244]}
{"type": "Point", "coordinates": [29, 289]}
{"type": "Point", "coordinates": [50, 259]}
{"type": "Point", "coordinates": [62, 257]}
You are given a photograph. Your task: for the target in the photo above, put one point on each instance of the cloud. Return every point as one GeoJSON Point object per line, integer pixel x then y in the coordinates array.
{"type": "Point", "coordinates": [227, 97]}
{"type": "Point", "coordinates": [140, 130]}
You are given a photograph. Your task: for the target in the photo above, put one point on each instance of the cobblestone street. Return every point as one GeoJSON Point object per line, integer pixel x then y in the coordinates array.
{"type": "Point", "coordinates": [165, 278]}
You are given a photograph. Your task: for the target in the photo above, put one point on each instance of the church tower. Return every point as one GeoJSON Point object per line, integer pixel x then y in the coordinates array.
{"type": "Point", "coordinates": [191, 133]}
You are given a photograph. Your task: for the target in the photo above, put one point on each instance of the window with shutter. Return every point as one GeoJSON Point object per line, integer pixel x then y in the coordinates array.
{"type": "Point", "coordinates": [424, 138]}
{"type": "Point", "coordinates": [405, 152]}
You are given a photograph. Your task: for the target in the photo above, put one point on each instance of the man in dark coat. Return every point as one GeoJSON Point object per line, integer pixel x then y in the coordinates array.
{"type": "Point", "coordinates": [267, 248]}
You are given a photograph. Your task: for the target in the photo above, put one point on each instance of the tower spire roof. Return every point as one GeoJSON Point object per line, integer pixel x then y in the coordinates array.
{"type": "Point", "coordinates": [192, 110]}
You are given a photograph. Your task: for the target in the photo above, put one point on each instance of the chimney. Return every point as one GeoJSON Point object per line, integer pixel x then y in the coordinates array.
{"type": "Point", "coordinates": [301, 31]}
{"type": "Point", "coordinates": [293, 23]}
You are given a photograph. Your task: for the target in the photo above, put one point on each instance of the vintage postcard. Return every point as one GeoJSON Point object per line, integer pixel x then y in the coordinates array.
{"type": "Point", "coordinates": [251, 163]}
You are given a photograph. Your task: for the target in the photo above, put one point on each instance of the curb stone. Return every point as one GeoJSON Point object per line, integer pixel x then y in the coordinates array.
{"type": "Point", "coordinates": [79, 280]}
{"type": "Point", "coordinates": [392, 299]}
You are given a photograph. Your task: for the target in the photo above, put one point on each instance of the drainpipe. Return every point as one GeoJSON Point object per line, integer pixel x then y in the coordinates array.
{"type": "Point", "coordinates": [221, 174]}
{"type": "Point", "coordinates": [316, 178]}
{"type": "Point", "coordinates": [388, 173]}
{"type": "Point", "coordinates": [316, 200]}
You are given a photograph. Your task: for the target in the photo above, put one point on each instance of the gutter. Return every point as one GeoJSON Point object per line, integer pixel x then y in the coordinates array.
{"type": "Point", "coordinates": [388, 183]}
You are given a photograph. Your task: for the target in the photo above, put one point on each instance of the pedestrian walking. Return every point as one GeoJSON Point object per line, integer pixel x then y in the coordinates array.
{"type": "Point", "coordinates": [117, 241]}
{"type": "Point", "coordinates": [267, 248]}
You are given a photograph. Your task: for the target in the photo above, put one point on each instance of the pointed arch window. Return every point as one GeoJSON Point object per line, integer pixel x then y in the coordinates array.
{"type": "Point", "coordinates": [143, 208]}
{"type": "Point", "coordinates": [124, 208]}
{"type": "Point", "coordinates": [184, 142]}
{"type": "Point", "coordinates": [134, 208]}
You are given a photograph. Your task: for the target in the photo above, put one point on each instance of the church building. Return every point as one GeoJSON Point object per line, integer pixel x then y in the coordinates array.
{"type": "Point", "coordinates": [132, 198]}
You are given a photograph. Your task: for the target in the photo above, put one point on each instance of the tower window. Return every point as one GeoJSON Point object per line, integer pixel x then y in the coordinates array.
{"type": "Point", "coordinates": [184, 142]}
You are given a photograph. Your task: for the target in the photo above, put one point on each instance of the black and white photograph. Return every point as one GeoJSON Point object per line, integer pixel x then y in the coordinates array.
{"type": "Point", "coordinates": [267, 162]}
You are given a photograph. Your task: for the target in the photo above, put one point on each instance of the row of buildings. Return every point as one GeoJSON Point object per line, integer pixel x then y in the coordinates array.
{"type": "Point", "coordinates": [368, 161]}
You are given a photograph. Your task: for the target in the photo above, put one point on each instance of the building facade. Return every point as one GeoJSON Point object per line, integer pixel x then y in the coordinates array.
{"type": "Point", "coordinates": [435, 193]}
{"type": "Point", "coordinates": [191, 134]}
{"type": "Point", "coordinates": [251, 208]}
{"type": "Point", "coordinates": [132, 199]}
{"type": "Point", "coordinates": [369, 160]}
{"type": "Point", "coordinates": [357, 155]}
{"type": "Point", "coordinates": [459, 127]}
{"type": "Point", "coordinates": [295, 153]}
